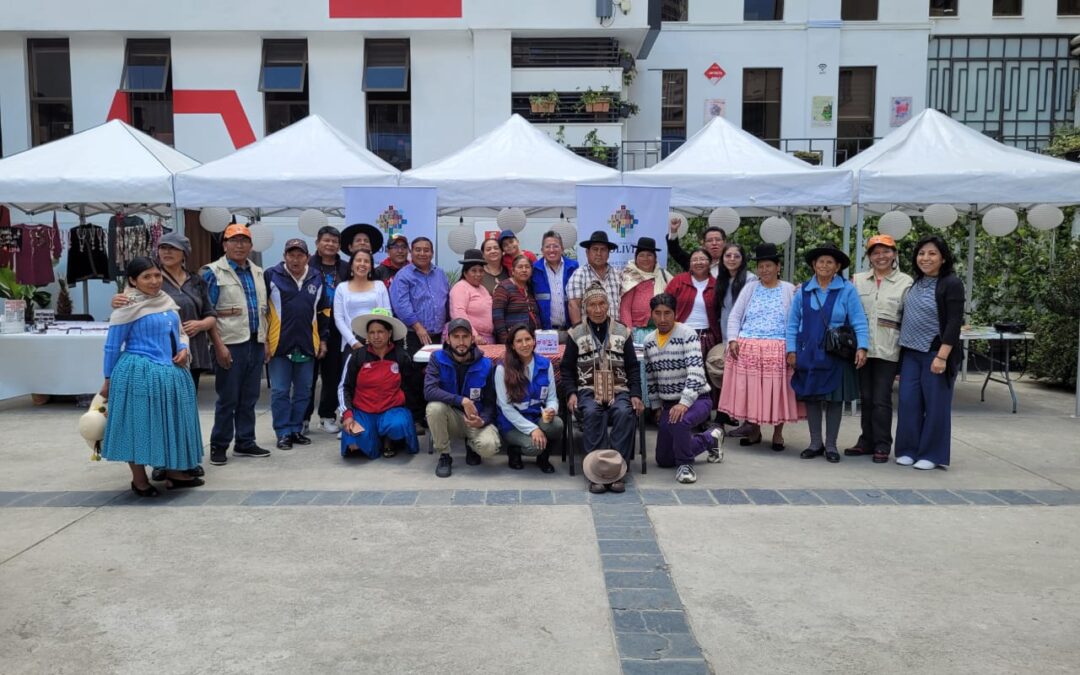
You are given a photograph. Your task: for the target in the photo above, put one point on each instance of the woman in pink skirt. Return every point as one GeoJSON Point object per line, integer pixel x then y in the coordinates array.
{"type": "Point", "coordinates": [757, 380]}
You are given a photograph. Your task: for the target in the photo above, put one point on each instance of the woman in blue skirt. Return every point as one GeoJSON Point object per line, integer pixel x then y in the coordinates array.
{"type": "Point", "coordinates": [153, 417]}
{"type": "Point", "coordinates": [822, 381]}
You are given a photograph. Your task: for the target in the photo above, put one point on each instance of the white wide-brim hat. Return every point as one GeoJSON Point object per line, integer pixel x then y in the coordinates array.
{"type": "Point", "coordinates": [92, 422]}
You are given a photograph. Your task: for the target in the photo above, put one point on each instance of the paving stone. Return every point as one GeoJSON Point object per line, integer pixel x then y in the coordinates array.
{"type": "Point", "coordinates": [36, 498]}
{"type": "Point", "coordinates": [643, 533]}
{"type": "Point", "coordinates": [695, 497]}
{"type": "Point", "coordinates": [909, 497]}
{"type": "Point", "coordinates": [621, 520]}
{"type": "Point", "coordinates": [872, 497]}
{"type": "Point", "coordinates": [665, 667]}
{"type": "Point", "coordinates": [366, 498]}
{"type": "Point", "coordinates": [331, 498]}
{"type": "Point", "coordinates": [435, 498]}
{"type": "Point", "coordinates": [654, 579]}
{"type": "Point", "coordinates": [644, 598]}
{"type": "Point", "coordinates": [658, 497]}
{"type": "Point", "coordinates": [187, 497]}
{"type": "Point", "coordinates": [628, 547]}
{"type": "Point", "coordinates": [632, 562]}
{"type": "Point", "coordinates": [9, 497]}
{"type": "Point", "coordinates": [1055, 497]}
{"type": "Point", "coordinates": [469, 497]}
{"type": "Point", "coordinates": [726, 496]}
{"type": "Point", "coordinates": [297, 498]}
{"type": "Point", "coordinates": [654, 646]}
{"type": "Point", "coordinates": [571, 496]}
{"type": "Point", "coordinates": [74, 498]}
{"type": "Point", "coordinates": [629, 497]}
{"type": "Point", "coordinates": [837, 497]}
{"type": "Point", "coordinates": [104, 497]}
{"type": "Point", "coordinates": [666, 622]}
{"type": "Point", "coordinates": [537, 497]}
{"type": "Point", "coordinates": [770, 497]}
{"type": "Point", "coordinates": [400, 498]}
{"type": "Point", "coordinates": [627, 621]}
{"type": "Point", "coordinates": [263, 498]}
{"type": "Point", "coordinates": [943, 497]}
{"type": "Point", "coordinates": [618, 510]}
{"type": "Point", "coordinates": [225, 497]}
{"type": "Point", "coordinates": [1013, 497]}
{"type": "Point", "coordinates": [980, 497]}
{"type": "Point", "coordinates": [503, 497]}
{"type": "Point", "coordinates": [801, 497]}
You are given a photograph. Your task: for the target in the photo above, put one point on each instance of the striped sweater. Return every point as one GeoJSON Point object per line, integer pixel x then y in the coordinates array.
{"type": "Point", "coordinates": [676, 371]}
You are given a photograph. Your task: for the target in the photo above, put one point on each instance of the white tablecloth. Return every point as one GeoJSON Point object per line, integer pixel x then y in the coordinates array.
{"type": "Point", "coordinates": [51, 364]}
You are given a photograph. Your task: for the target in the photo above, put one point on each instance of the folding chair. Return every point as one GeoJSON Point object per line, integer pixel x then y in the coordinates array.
{"type": "Point", "coordinates": [572, 421]}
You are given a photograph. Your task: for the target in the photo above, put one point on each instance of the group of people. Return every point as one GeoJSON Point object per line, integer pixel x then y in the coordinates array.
{"type": "Point", "coordinates": [714, 339]}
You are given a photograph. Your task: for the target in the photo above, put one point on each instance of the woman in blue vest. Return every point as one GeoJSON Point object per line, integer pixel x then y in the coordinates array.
{"type": "Point", "coordinates": [528, 403]}
{"type": "Point", "coordinates": [822, 381]}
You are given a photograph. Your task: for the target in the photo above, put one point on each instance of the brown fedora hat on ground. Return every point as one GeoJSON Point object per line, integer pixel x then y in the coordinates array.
{"type": "Point", "coordinates": [603, 466]}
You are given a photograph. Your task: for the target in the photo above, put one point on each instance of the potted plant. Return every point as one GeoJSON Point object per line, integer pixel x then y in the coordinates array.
{"type": "Point", "coordinates": [628, 109]}
{"type": "Point", "coordinates": [629, 67]}
{"type": "Point", "coordinates": [809, 156]}
{"type": "Point", "coordinates": [544, 104]}
{"type": "Point", "coordinates": [1065, 143]}
{"type": "Point", "coordinates": [596, 148]}
{"type": "Point", "coordinates": [596, 101]}
{"type": "Point", "coordinates": [13, 290]}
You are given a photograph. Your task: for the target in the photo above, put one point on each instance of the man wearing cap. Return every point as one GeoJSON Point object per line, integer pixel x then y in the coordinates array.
{"type": "Point", "coordinates": [361, 236]}
{"type": "Point", "coordinates": [551, 274]}
{"type": "Point", "coordinates": [460, 398]}
{"type": "Point", "coordinates": [237, 289]}
{"type": "Point", "coordinates": [713, 240]}
{"type": "Point", "coordinates": [297, 334]}
{"type": "Point", "coordinates": [600, 374]}
{"type": "Point", "coordinates": [597, 249]}
{"type": "Point", "coordinates": [508, 243]}
{"type": "Point", "coordinates": [328, 263]}
{"type": "Point", "coordinates": [397, 257]}
{"type": "Point", "coordinates": [419, 297]}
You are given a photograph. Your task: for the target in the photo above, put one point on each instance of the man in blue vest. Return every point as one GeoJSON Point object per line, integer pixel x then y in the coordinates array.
{"type": "Point", "coordinates": [550, 275]}
{"type": "Point", "coordinates": [460, 393]}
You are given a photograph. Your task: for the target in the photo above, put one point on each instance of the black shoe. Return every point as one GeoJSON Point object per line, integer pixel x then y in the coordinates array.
{"type": "Point", "coordinates": [157, 475]}
{"type": "Point", "coordinates": [442, 470]}
{"type": "Point", "coordinates": [180, 484]}
{"type": "Point", "coordinates": [471, 458]}
{"type": "Point", "coordinates": [197, 472]}
{"type": "Point", "coordinates": [811, 453]}
{"type": "Point", "coordinates": [300, 439]}
{"type": "Point", "coordinates": [251, 451]}
{"type": "Point", "coordinates": [832, 456]}
{"type": "Point", "coordinates": [515, 459]}
{"type": "Point", "coordinates": [217, 456]}
{"type": "Point", "coordinates": [149, 491]}
{"type": "Point", "coordinates": [544, 464]}
{"type": "Point", "coordinates": [283, 443]}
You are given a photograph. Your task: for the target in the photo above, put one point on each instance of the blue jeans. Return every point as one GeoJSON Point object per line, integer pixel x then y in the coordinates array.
{"type": "Point", "coordinates": [290, 393]}
{"type": "Point", "coordinates": [237, 393]}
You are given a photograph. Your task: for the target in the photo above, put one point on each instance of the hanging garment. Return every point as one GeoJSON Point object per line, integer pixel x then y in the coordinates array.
{"type": "Point", "coordinates": [87, 258]}
{"type": "Point", "coordinates": [129, 238]}
{"type": "Point", "coordinates": [34, 261]}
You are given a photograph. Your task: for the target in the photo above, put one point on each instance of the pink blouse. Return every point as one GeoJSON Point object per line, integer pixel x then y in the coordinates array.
{"type": "Point", "coordinates": [473, 303]}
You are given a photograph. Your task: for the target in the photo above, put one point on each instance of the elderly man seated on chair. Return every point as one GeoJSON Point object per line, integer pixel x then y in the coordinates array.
{"type": "Point", "coordinates": [601, 377]}
{"type": "Point", "coordinates": [675, 372]}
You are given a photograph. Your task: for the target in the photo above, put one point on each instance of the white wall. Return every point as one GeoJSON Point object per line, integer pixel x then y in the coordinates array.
{"type": "Point", "coordinates": [491, 80]}
{"type": "Point", "coordinates": [14, 101]}
{"type": "Point", "coordinates": [442, 95]}
{"type": "Point", "coordinates": [97, 59]}
{"type": "Point", "coordinates": [335, 82]}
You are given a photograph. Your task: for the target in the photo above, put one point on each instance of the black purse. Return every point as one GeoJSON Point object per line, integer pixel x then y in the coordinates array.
{"type": "Point", "coordinates": [840, 342]}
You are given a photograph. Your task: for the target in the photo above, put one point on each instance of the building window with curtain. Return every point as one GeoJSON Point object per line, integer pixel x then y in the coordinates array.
{"type": "Point", "coordinates": [943, 8]}
{"type": "Point", "coordinates": [284, 83]}
{"type": "Point", "coordinates": [1008, 7]}
{"type": "Point", "coordinates": [763, 10]}
{"type": "Point", "coordinates": [147, 80]}
{"type": "Point", "coordinates": [50, 89]}
{"type": "Point", "coordinates": [762, 88]}
{"type": "Point", "coordinates": [389, 105]}
{"type": "Point", "coordinates": [674, 10]}
{"type": "Point", "coordinates": [855, 112]}
{"type": "Point", "coordinates": [672, 111]}
{"type": "Point", "coordinates": [858, 10]}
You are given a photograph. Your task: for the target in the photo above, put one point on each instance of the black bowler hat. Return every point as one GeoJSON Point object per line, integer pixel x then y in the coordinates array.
{"type": "Point", "coordinates": [645, 244]}
{"type": "Point", "coordinates": [599, 237]}
{"type": "Point", "coordinates": [830, 250]}
{"type": "Point", "coordinates": [766, 252]}
{"type": "Point", "coordinates": [372, 232]}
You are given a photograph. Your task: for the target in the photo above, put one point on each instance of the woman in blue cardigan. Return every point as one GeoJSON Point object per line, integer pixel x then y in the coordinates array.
{"type": "Point", "coordinates": [821, 380]}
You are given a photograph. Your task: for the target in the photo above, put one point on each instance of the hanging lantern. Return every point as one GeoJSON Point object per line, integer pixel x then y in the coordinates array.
{"type": "Point", "coordinates": [311, 221]}
{"type": "Point", "coordinates": [726, 218]}
{"type": "Point", "coordinates": [1045, 217]}
{"type": "Point", "coordinates": [1000, 221]}
{"type": "Point", "coordinates": [214, 219]}
{"type": "Point", "coordinates": [939, 215]}
{"type": "Point", "coordinates": [775, 230]}
{"type": "Point", "coordinates": [684, 226]}
{"type": "Point", "coordinates": [834, 216]}
{"type": "Point", "coordinates": [262, 237]}
{"type": "Point", "coordinates": [567, 231]}
{"type": "Point", "coordinates": [512, 219]}
{"type": "Point", "coordinates": [896, 224]}
{"type": "Point", "coordinates": [461, 239]}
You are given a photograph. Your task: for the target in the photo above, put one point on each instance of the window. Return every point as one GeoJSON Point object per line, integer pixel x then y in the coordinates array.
{"type": "Point", "coordinates": [283, 82]}
{"type": "Point", "coordinates": [672, 111]}
{"type": "Point", "coordinates": [855, 111]}
{"type": "Point", "coordinates": [761, 103]}
{"type": "Point", "coordinates": [674, 10]}
{"type": "Point", "coordinates": [943, 7]}
{"type": "Point", "coordinates": [1008, 7]}
{"type": "Point", "coordinates": [858, 10]}
{"type": "Point", "coordinates": [389, 104]}
{"type": "Point", "coordinates": [565, 52]}
{"type": "Point", "coordinates": [1068, 7]}
{"type": "Point", "coordinates": [763, 10]}
{"type": "Point", "coordinates": [50, 90]}
{"type": "Point", "coordinates": [147, 79]}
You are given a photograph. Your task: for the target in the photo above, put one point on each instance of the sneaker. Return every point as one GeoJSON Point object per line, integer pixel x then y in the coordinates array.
{"type": "Point", "coordinates": [471, 457]}
{"type": "Point", "coordinates": [217, 456]}
{"type": "Point", "coordinates": [251, 451]}
{"type": "Point", "coordinates": [925, 465]}
{"type": "Point", "coordinates": [905, 461]}
{"type": "Point", "coordinates": [329, 425]}
{"type": "Point", "coordinates": [685, 474]}
{"type": "Point", "coordinates": [442, 470]}
{"type": "Point", "coordinates": [716, 452]}
{"type": "Point", "coordinates": [283, 443]}
{"type": "Point", "coordinates": [300, 439]}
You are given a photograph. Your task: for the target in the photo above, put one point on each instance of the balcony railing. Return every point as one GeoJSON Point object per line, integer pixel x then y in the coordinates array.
{"type": "Point", "coordinates": [564, 53]}
{"type": "Point", "coordinates": [568, 110]}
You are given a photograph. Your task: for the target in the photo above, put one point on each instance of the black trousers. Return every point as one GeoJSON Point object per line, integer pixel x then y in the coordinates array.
{"type": "Point", "coordinates": [414, 385]}
{"type": "Point", "coordinates": [875, 392]}
{"type": "Point", "coordinates": [596, 417]}
{"type": "Point", "coordinates": [328, 371]}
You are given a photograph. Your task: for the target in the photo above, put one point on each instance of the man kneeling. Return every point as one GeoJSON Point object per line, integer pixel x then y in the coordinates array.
{"type": "Point", "coordinates": [460, 393]}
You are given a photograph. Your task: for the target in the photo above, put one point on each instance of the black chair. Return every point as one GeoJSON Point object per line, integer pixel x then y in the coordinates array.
{"type": "Point", "coordinates": [571, 429]}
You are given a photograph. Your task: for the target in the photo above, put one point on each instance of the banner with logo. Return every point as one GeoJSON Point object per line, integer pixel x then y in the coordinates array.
{"type": "Point", "coordinates": [393, 210]}
{"type": "Point", "coordinates": [626, 213]}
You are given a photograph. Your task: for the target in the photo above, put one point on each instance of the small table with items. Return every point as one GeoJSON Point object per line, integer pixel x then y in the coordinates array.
{"type": "Point", "coordinates": [65, 360]}
{"type": "Point", "coordinates": [996, 365]}
{"type": "Point", "coordinates": [493, 352]}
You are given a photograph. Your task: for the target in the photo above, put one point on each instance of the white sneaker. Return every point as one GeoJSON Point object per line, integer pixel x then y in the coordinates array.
{"type": "Point", "coordinates": [925, 464]}
{"type": "Point", "coordinates": [339, 435]}
{"type": "Point", "coordinates": [716, 453]}
{"type": "Point", "coordinates": [905, 461]}
{"type": "Point", "coordinates": [685, 474]}
{"type": "Point", "coordinates": [329, 426]}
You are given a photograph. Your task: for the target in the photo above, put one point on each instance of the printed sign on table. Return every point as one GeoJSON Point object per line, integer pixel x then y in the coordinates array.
{"type": "Point", "coordinates": [626, 213]}
{"type": "Point", "coordinates": [393, 210]}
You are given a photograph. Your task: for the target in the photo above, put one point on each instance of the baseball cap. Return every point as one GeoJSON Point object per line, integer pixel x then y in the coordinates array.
{"type": "Point", "coordinates": [236, 230]}
{"type": "Point", "coordinates": [396, 238]}
{"type": "Point", "coordinates": [459, 323]}
{"type": "Point", "coordinates": [297, 243]}
{"type": "Point", "coordinates": [506, 234]}
{"type": "Point", "coordinates": [881, 239]}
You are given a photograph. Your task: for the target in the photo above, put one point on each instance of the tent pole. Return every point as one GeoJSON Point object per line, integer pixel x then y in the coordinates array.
{"type": "Point", "coordinates": [847, 230]}
{"type": "Point", "coordinates": [970, 263]}
{"type": "Point", "coordinates": [790, 252]}
{"type": "Point", "coordinates": [859, 216]}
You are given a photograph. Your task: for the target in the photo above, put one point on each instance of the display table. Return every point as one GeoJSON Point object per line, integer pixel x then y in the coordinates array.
{"type": "Point", "coordinates": [493, 352]}
{"type": "Point", "coordinates": [997, 366]}
{"type": "Point", "coordinates": [51, 364]}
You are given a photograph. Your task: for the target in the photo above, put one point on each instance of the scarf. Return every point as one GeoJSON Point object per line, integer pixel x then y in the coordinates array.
{"type": "Point", "coordinates": [634, 275]}
{"type": "Point", "coordinates": [141, 305]}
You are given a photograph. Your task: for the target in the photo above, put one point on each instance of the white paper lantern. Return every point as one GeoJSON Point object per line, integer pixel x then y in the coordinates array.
{"type": "Point", "coordinates": [1045, 217]}
{"type": "Point", "coordinates": [214, 219]}
{"type": "Point", "coordinates": [726, 218]}
{"type": "Point", "coordinates": [311, 221]}
{"type": "Point", "coordinates": [684, 226]}
{"type": "Point", "coordinates": [834, 216]}
{"type": "Point", "coordinates": [1000, 221]}
{"type": "Point", "coordinates": [461, 239]}
{"type": "Point", "coordinates": [940, 215]}
{"type": "Point", "coordinates": [775, 230]}
{"type": "Point", "coordinates": [567, 231]}
{"type": "Point", "coordinates": [896, 224]}
{"type": "Point", "coordinates": [512, 219]}
{"type": "Point", "coordinates": [262, 237]}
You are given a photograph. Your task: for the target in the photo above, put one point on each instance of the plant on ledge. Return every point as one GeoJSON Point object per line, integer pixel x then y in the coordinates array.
{"type": "Point", "coordinates": [1065, 143]}
{"type": "Point", "coordinates": [596, 101]}
{"type": "Point", "coordinates": [628, 109]}
{"type": "Point", "coordinates": [544, 104]}
{"type": "Point", "coordinates": [809, 156]}
{"type": "Point", "coordinates": [597, 150]}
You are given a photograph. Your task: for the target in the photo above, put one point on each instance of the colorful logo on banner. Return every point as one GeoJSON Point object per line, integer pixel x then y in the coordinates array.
{"type": "Point", "coordinates": [391, 221]}
{"type": "Point", "coordinates": [623, 221]}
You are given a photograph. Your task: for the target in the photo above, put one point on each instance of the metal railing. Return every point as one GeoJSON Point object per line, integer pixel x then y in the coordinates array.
{"type": "Point", "coordinates": [564, 53]}
{"type": "Point", "coordinates": [569, 111]}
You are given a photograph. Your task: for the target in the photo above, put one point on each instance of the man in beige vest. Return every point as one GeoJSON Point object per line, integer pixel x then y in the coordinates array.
{"type": "Point", "coordinates": [238, 290]}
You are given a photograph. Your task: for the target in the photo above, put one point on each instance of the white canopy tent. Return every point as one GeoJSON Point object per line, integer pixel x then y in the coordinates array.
{"type": "Point", "coordinates": [512, 165]}
{"type": "Point", "coordinates": [305, 165]}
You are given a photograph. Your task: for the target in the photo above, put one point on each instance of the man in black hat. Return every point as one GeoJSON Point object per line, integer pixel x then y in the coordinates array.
{"type": "Point", "coordinates": [361, 236]}
{"type": "Point", "coordinates": [597, 249]}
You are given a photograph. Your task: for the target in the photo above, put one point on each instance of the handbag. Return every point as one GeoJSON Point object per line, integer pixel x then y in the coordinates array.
{"type": "Point", "coordinates": [840, 341]}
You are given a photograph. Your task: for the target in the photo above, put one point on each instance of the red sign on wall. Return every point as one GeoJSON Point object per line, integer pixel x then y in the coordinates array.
{"type": "Point", "coordinates": [395, 9]}
{"type": "Point", "coordinates": [715, 73]}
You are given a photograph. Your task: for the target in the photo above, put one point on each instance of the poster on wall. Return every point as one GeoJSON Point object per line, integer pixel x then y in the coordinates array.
{"type": "Point", "coordinates": [715, 107]}
{"type": "Point", "coordinates": [899, 110]}
{"type": "Point", "coordinates": [393, 210]}
{"type": "Point", "coordinates": [821, 111]}
{"type": "Point", "coordinates": [626, 213]}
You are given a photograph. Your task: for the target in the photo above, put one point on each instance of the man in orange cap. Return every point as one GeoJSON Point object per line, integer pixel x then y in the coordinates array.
{"type": "Point", "coordinates": [237, 289]}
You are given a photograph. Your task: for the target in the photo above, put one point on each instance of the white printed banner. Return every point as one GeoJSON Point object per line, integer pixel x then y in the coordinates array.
{"type": "Point", "coordinates": [626, 213]}
{"type": "Point", "coordinates": [393, 210]}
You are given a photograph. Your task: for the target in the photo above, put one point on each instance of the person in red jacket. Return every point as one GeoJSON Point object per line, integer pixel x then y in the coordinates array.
{"type": "Point", "coordinates": [511, 249]}
{"type": "Point", "coordinates": [695, 302]}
